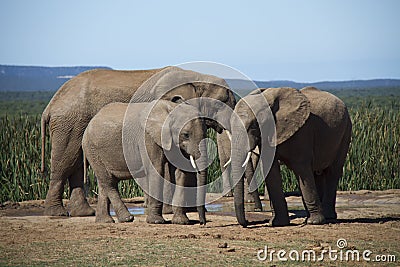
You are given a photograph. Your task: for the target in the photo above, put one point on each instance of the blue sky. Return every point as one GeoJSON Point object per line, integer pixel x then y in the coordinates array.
{"type": "Point", "coordinates": [266, 40]}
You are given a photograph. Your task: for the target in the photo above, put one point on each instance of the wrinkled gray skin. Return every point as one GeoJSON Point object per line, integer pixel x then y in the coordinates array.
{"type": "Point", "coordinates": [103, 148]}
{"type": "Point", "coordinates": [79, 99]}
{"type": "Point", "coordinates": [313, 132]}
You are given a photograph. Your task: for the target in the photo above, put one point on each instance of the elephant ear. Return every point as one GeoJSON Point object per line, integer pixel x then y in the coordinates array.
{"type": "Point", "coordinates": [290, 108]}
{"type": "Point", "coordinates": [156, 125]}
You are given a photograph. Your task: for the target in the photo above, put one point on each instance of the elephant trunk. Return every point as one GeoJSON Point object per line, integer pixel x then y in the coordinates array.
{"type": "Point", "coordinates": [201, 167]}
{"type": "Point", "coordinates": [201, 195]}
{"type": "Point", "coordinates": [238, 157]}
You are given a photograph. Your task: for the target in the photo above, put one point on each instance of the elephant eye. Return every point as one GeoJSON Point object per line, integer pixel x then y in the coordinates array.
{"type": "Point", "coordinates": [185, 135]}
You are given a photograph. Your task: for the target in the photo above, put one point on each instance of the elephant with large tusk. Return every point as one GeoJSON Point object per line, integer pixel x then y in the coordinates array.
{"type": "Point", "coordinates": [312, 137]}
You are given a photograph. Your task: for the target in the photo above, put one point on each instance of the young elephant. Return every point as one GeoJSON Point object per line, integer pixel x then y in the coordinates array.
{"type": "Point", "coordinates": [135, 139]}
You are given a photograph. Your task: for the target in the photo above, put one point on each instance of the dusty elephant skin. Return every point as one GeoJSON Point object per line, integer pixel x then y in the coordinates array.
{"type": "Point", "coordinates": [313, 131]}
{"type": "Point", "coordinates": [79, 99]}
{"type": "Point", "coordinates": [103, 147]}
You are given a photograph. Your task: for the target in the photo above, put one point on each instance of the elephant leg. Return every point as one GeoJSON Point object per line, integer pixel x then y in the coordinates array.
{"type": "Point", "coordinates": [332, 179]}
{"type": "Point", "coordinates": [280, 214]}
{"type": "Point", "coordinates": [226, 182]}
{"type": "Point", "coordinates": [103, 207]}
{"type": "Point", "coordinates": [248, 197]}
{"type": "Point", "coordinates": [168, 188]}
{"type": "Point", "coordinates": [310, 194]}
{"type": "Point", "coordinates": [58, 177]}
{"type": "Point", "coordinates": [78, 204]}
{"type": "Point", "coordinates": [145, 200]}
{"type": "Point", "coordinates": [255, 197]}
{"type": "Point", "coordinates": [320, 179]}
{"type": "Point", "coordinates": [53, 205]}
{"type": "Point", "coordinates": [181, 178]}
{"type": "Point", "coordinates": [66, 155]}
{"type": "Point", "coordinates": [154, 215]}
{"type": "Point", "coordinates": [121, 211]}
{"type": "Point", "coordinates": [154, 209]}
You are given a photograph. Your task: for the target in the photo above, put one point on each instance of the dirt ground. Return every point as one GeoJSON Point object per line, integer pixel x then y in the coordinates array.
{"type": "Point", "coordinates": [368, 221]}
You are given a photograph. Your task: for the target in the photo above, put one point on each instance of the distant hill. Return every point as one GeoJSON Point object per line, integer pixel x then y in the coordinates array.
{"type": "Point", "coordinates": [32, 78]}
{"type": "Point", "coordinates": [243, 87]}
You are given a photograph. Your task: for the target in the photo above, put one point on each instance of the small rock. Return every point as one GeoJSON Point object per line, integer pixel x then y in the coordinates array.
{"type": "Point", "coordinates": [217, 236]}
{"type": "Point", "coordinates": [191, 236]}
{"type": "Point", "coordinates": [231, 250]}
{"type": "Point", "coordinates": [223, 245]}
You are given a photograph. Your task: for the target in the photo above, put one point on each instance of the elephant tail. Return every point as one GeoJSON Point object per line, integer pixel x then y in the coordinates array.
{"type": "Point", "coordinates": [43, 123]}
{"type": "Point", "coordinates": [85, 163]}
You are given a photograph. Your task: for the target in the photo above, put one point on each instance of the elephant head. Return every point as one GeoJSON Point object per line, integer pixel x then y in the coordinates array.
{"type": "Point", "coordinates": [286, 107]}
{"type": "Point", "coordinates": [181, 131]}
{"type": "Point", "coordinates": [177, 85]}
{"type": "Point", "coordinates": [211, 88]}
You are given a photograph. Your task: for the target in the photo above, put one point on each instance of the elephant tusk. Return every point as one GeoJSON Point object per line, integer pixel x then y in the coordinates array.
{"type": "Point", "coordinates": [229, 135]}
{"type": "Point", "coordinates": [247, 159]}
{"type": "Point", "coordinates": [193, 162]}
{"type": "Point", "coordinates": [228, 162]}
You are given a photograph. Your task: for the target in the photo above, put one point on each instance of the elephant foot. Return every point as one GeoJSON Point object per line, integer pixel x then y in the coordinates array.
{"type": "Point", "coordinates": [332, 215]}
{"type": "Point", "coordinates": [104, 219]}
{"type": "Point", "coordinates": [155, 219]}
{"type": "Point", "coordinates": [58, 210]}
{"type": "Point", "coordinates": [126, 219]}
{"type": "Point", "coordinates": [78, 205]}
{"type": "Point", "coordinates": [167, 209]}
{"type": "Point", "coordinates": [180, 219]}
{"type": "Point", "coordinates": [316, 219]}
{"type": "Point", "coordinates": [276, 221]}
{"type": "Point", "coordinates": [81, 211]}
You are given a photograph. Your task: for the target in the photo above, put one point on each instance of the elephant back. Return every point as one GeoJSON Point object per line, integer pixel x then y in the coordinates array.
{"type": "Point", "coordinates": [326, 106]}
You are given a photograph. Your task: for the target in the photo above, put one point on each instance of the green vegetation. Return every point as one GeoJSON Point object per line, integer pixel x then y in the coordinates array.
{"type": "Point", "coordinates": [26, 103]}
{"type": "Point", "coordinates": [373, 161]}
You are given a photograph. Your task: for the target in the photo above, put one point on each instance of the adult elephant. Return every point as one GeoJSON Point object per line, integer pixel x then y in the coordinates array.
{"type": "Point", "coordinates": [313, 131]}
{"type": "Point", "coordinates": [78, 100]}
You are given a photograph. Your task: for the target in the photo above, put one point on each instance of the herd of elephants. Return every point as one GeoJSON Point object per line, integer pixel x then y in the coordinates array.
{"type": "Point", "coordinates": [138, 123]}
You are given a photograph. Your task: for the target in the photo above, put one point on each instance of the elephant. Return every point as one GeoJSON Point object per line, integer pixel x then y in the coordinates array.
{"type": "Point", "coordinates": [78, 101]}
{"type": "Point", "coordinates": [312, 137]}
{"type": "Point", "coordinates": [102, 145]}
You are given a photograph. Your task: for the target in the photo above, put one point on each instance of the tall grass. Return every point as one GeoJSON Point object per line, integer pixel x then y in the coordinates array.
{"type": "Point", "coordinates": [20, 159]}
{"type": "Point", "coordinates": [374, 158]}
{"type": "Point", "coordinates": [373, 162]}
